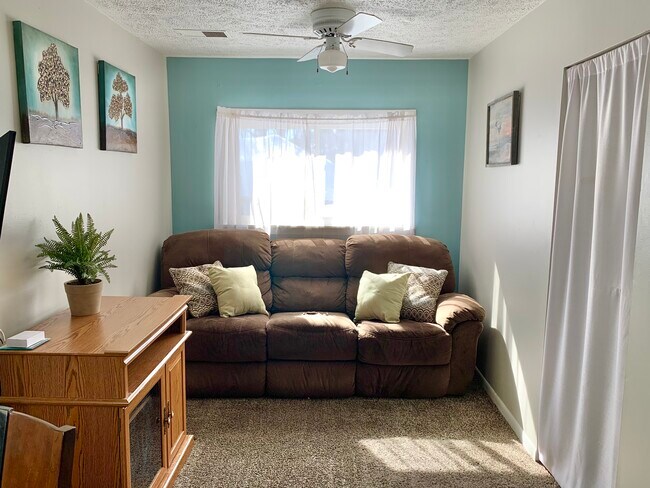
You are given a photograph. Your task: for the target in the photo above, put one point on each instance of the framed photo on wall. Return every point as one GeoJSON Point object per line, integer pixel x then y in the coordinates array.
{"type": "Point", "coordinates": [49, 94]}
{"type": "Point", "coordinates": [117, 109]}
{"type": "Point", "coordinates": [503, 130]}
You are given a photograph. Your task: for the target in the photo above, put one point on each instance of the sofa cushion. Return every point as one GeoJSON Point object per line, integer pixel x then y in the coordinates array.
{"type": "Point", "coordinates": [305, 294]}
{"type": "Point", "coordinates": [373, 252]}
{"type": "Point", "coordinates": [227, 340]}
{"type": "Point", "coordinates": [308, 258]}
{"type": "Point", "coordinates": [311, 337]}
{"type": "Point", "coordinates": [401, 381]}
{"type": "Point", "coordinates": [406, 343]}
{"type": "Point", "coordinates": [233, 247]}
{"type": "Point", "coordinates": [225, 380]}
{"type": "Point", "coordinates": [310, 379]}
{"type": "Point", "coordinates": [308, 274]}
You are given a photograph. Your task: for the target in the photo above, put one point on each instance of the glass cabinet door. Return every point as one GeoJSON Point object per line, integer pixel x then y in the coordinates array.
{"type": "Point", "coordinates": [145, 437]}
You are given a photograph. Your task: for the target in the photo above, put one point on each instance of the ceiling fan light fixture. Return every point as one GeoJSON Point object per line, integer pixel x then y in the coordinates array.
{"type": "Point", "coordinates": [332, 60]}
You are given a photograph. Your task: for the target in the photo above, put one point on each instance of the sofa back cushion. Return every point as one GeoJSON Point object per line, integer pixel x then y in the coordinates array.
{"type": "Point", "coordinates": [308, 275]}
{"type": "Point", "coordinates": [373, 252]}
{"type": "Point", "coordinates": [233, 247]}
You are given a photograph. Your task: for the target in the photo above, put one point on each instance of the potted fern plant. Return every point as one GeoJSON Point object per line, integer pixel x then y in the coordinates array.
{"type": "Point", "coordinates": [79, 252]}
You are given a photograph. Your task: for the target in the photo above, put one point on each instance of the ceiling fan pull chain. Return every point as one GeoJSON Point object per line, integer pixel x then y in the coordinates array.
{"type": "Point", "coordinates": [347, 64]}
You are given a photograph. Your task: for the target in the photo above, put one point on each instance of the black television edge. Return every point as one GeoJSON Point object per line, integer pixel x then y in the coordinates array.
{"type": "Point", "coordinates": [7, 143]}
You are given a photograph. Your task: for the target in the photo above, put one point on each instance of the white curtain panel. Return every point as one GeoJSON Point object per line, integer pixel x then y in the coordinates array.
{"type": "Point", "coordinates": [315, 168]}
{"type": "Point", "coordinates": [595, 227]}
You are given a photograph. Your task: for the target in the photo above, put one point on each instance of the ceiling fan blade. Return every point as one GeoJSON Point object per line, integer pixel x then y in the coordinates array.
{"type": "Point", "coordinates": [384, 47]}
{"type": "Point", "coordinates": [359, 23]}
{"type": "Point", "coordinates": [306, 38]}
{"type": "Point", "coordinates": [313, 54]}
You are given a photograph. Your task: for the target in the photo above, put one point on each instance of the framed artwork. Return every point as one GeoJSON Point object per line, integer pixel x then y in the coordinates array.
{"type": "Point", "coordinates": [49, 97]}
{"type": "Point", "coordinates": [503, 130]}
{"type": "Point", "coordinates": [117, 109]}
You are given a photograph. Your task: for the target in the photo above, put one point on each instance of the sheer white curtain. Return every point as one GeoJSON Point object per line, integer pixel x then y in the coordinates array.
{"type": "Point", "coordinates": [315, 168]}
{"type": "Point", "coordinates": [595, 227]}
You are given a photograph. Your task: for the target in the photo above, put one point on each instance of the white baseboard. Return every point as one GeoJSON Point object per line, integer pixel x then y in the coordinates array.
{"type": "Point", "coordinates": [529, 445]}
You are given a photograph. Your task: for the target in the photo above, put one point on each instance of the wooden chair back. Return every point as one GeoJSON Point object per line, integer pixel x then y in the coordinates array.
{"type": "Point", "coordinates": [4, 422]}
{"type": "Point", "coordinates": [37, 454]}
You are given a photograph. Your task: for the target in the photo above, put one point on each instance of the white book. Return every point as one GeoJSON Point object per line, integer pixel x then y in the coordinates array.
{"type": "Point", "coordinates": [26, 339]}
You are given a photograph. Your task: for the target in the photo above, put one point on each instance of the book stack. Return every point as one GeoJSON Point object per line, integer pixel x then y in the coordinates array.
{"type": "Point", "coordinates": [28, 339]}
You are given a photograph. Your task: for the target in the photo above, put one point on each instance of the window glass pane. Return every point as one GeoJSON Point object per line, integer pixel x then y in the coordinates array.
{"type": "Point", "coordinates": [315, 169]}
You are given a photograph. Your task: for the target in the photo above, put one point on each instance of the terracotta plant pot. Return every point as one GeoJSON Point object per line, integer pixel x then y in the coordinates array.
{"type": "Point", "coordinates": [84, 299]}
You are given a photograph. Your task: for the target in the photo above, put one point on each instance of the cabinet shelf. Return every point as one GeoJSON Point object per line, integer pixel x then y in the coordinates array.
{"type": "Point", "coordinates": [151, 360]}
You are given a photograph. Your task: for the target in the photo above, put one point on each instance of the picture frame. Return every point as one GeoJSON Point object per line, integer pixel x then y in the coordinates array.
{"type": "Point", "coordinates": [502, 144]}
{"type": "Point", "coordinates": [7, 144]}
{"type": "Point", "coordinates": [49, 91]}
{"type": "Point", "coordinates": [117, 109]}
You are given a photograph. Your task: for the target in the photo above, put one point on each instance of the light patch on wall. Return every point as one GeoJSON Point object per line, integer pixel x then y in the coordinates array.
{"type": "Point", "coordinates": [500, 321]}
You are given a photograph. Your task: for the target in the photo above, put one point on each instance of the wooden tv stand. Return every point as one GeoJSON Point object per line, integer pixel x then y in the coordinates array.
{"type": "Point", "coordinates": [119, 377]}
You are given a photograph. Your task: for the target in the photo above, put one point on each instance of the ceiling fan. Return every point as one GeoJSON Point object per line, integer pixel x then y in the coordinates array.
{"type": "Point", "coordinates": [338, 27]}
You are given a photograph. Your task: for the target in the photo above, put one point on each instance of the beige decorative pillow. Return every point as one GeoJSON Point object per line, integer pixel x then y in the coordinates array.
{"type": "Point", "coordinates": [422, 293]}
{"type": "Point", "coordinates": [194, 281]}
{"type": "Point", "coordinates": [237, 291]}
{"type": "Point", "coordinates": [380, 296]}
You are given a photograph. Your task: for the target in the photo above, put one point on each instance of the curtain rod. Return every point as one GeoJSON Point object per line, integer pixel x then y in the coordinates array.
{"type": "Point", "coordinates": [594, 56]}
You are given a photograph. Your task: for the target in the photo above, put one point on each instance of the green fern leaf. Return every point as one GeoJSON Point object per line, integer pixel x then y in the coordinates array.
{"type": "Point", "coordinates": [78, 252]}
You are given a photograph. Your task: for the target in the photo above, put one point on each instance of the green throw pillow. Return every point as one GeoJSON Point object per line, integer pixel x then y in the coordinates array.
{"type": "Point", "coordinates": [237, 291]}
{"type": "Point", "coordinates": [380, 296]}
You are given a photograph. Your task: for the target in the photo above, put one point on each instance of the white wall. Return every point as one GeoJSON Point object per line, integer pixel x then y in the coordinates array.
{"type": "Point", "coordinates": [508, 211]}
{"type": "Point", "coordinates": [130, 192]}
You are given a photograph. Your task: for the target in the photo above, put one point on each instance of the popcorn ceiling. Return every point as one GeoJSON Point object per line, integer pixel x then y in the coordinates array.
{"type": "Point", "coordinates": [437, 28]}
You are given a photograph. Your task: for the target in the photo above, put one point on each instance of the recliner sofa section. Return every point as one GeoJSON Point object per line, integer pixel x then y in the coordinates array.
{"type": "Point", "coordinates": [308, 346]}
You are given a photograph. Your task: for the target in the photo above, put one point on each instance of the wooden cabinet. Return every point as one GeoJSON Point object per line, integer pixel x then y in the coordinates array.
{"type": "Point", "coordinates": [175, 413]}
{"type": "Point", "coordinates": [119, 377]}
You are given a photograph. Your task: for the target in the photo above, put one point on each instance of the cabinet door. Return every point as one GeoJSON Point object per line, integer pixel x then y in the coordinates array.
{"type": "Point", "coordinates": [176, 397]}
{"type": "Point", "coordinates": [145, 437]}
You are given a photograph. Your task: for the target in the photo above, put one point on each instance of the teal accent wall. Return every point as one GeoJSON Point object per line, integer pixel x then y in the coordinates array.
{"type": "Point", "coordinates": [437, 89]}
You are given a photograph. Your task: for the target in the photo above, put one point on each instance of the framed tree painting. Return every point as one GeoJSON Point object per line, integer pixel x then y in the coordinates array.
{"type": "Point", "coordinates": [503, 130]}
{"type": "Point", "coordinates": [49, 97]}
{"type": "Point", "coordinates": [117, 109]}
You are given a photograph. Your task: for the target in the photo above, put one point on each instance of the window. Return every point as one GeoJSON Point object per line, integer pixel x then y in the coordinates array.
{"type": "Point", "coordinates": [315, 168]}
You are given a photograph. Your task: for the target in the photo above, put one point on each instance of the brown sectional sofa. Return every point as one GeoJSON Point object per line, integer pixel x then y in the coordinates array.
{"type": "Point", "coordinates": [309, 346]}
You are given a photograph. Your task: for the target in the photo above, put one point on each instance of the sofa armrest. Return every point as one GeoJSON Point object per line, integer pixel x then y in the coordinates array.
{"type": "Point", "coordinates": [455, 308]}
{"type": "Point", "coordinates": [165, 293]}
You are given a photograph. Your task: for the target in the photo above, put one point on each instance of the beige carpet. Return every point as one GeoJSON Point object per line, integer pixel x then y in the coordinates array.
{"type": "Point", "coordinates": [356, 442]}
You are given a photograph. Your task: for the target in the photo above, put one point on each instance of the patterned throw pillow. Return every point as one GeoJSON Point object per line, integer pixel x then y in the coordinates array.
{"type": "Point", "coordinates": [423, 290]}
{"type": "Point", "coordinates": [194, 281]}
